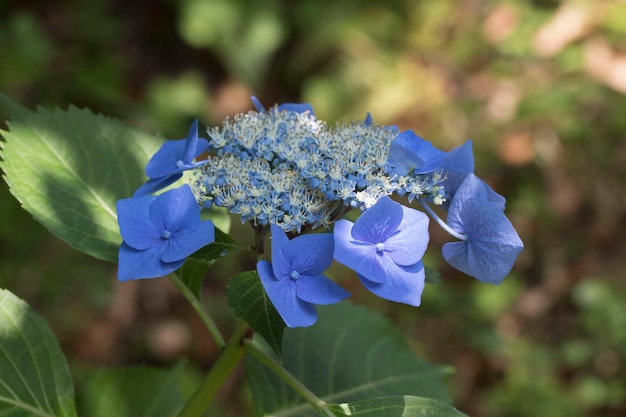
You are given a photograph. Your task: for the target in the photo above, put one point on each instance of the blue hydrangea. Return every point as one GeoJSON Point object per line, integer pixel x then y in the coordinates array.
{"type": "Point", "coordinates": [489, 244]}
{"type": "Point", "coordinates": [294, 280]}
{"type": "Point", "coordinates": [160, 233]}
{"type": "Point", "coordinates": [285, 167]}
{"type": "Point", "coordinates": [175, 156]}
{"type": "Point", "coordinates": [385, 247]}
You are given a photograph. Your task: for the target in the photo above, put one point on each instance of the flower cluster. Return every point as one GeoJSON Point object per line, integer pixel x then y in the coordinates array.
{"type": "Point", "coordinates": [285, 167]}
{"type": "Point", "coordinates": [284, 170]}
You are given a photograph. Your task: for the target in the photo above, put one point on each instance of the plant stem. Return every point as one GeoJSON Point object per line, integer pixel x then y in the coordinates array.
{"type": "Point", "coordinates": [441, 223]}
{"type": "Point", "coordinates": [221, 369]}
{"type": "Point", "coordinates": [273, 365]}
{"type": "Point", "coordinates": [197, 305]}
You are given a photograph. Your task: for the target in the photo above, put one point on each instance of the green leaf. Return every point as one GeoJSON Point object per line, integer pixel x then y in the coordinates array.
{"type": "Point", "coordinates": [68, 169]}
{"type": "Point", "coordinates": [350, 354]}
{"type": "Point", "coordinates": [396, 406]}
{"type": "Point", "coordinates": [34, 377]}
{"type": "Point", "coordinates": [222, 245]}
{"type": "Point", "coordinates": [192, 275]}
{"type": "Point", "coordinates": [194, 269]}
{"type": "Point", "coordinates": [248, 300]}
{"type": "Point", "coordinates": [144, 392]}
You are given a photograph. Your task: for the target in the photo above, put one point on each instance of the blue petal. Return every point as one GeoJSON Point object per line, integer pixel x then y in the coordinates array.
{"type": "Point", "coordinates": [282, 294]}
{"type": "Point", "coordinates": [409, 152]}
{"type": "Point", "coordinates": [459, 162]}
{"type": "Point", "coordinates": [156, 184]}
{"type": "Point", "coordinates": [292, 107]}
{"type": "Point", "coordinates": [296, 108]}
{"type": "Point", "coordinates": [361, 257]}
{"type": "Point", "coordinates": [175, 156]}
{"type": "Point", "coordinates": [378, 222]}
{"type": "Point", "coordinates": [318, 289]}
{"type": "Point", "coordinates": [176, 210]}
{"type": "Point", "coordinates": [264, 269]}
{"type": "Point", "coordinates": [408, 245]}
{"type": "Point", "coordinates": [404, 285]}
{"type": "Point", "coordinates": [191, 144]}
{"type": "Point", "coordinates": [280, 264]}
{"type": "Point", "coordinates": [137, 264]}
{"type": "Point", "coordinates": [310, 254]}
{"type": "Point", "coordinates": [136, 228]}
{"type": "Point", "coordinates": [492, 243]}
{"type": "Point", "coordinates": [165, 161]}
{"type": "Point", "coordinates": [471, 187]}
{"type": "Point", "coordinates": [257, 104]}
{"type": "Point", "coordinates": [181, 245]}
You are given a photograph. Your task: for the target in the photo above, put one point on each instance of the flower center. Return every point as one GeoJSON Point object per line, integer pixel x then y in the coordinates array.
{"type": "Point", "coordinates": [179, 163]}
{"type": "Point", "coordinates": [380, 247]}
{"type": "Point", "coordinates": [294, 275]}
{"type": "Point", "coordinates": [166, 234]}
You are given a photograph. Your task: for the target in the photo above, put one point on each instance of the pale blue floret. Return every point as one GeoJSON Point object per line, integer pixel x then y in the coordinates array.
{"type": "Point", "coordinates": [294, 280]}
{"type": "Point", "coordinates": [160, 233]}
{"type": "Point", "coordinates": [490, 244]}
{"type": "Point", "coordinates": [175, 156]}
{"type": "Point", "coordinates": [385, 248]}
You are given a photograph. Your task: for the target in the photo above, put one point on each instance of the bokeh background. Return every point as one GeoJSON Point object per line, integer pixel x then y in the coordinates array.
{"type": "Point", "coordinates": [540, 87]}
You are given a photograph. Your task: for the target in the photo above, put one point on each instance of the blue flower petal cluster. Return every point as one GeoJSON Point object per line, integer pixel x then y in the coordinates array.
{"type": "Point", "coordinates": [160, 233]}
{"type": "Point", "coordinates": [282, 168]}
{"type": "Point", "coordinates": [490, 244]}
{"type": "Point", "coordinates": [294, 281]}
{"type": "Point", "coordinates": [385, 247]}
{"type": "Point", "coordinates": [175, 156]}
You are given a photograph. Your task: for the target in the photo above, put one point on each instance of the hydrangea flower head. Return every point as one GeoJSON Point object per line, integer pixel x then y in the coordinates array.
{"type": "Point", "coordinates": [385, 247]}
{"type": "Point", "coordinates": [491, 243]}
{"type": "Point", "coordinates": [294, 281]}
{"type": "Point", "coordinates": [159, 233]}
{"type": "Point", "coordinates": [175, 156]}
{"type": "Point", "coordinates": [285, 167]}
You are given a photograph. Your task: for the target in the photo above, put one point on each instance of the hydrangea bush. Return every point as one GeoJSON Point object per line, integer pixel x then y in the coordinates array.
{"type": "Point", "coordinates": [293, 178]}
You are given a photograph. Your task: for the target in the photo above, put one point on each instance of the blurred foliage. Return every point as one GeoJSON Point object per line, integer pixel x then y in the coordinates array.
{"type": "Point", "coordinates": [539, 85]}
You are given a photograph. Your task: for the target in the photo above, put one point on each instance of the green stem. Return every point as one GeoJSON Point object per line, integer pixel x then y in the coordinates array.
{"type": "Point", "coordinates": [221, 369]}
{"type": "Point", "coordinates": [274, 366]}
{"type": "Point", "coordinates": [197, 305]}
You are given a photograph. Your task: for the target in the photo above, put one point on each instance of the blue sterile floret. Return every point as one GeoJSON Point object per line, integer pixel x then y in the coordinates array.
{"type": "Point", "coordinates": [411, 153]}
{"type": "Point", "coordinates": [160, 233]}
{"type": "Point", "coordinates": [385, 247]}
{"type": "Point", "coordinates": [175, 156]}
{"type": "Point", "coordinates": [294, 280]}
{"type": "Point", "coordinates": [490, 244]}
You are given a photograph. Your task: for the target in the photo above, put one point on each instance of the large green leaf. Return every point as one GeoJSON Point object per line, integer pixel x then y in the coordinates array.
{"type": "Point", "coordinates": [396, 406]}
{"type": "Point", "coordinates": [248, 300]}
{"type": "Point", "coordinates": [34, 376]}
{"type": "Point", "coordinates": [350, 354]}
{"type": "Point", "coordinates": [134, 392]}
{"type": "Point", "coordinates": [68, 169]}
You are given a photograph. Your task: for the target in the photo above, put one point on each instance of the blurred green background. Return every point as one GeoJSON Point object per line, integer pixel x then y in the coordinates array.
{"type": "Point", "coordinates": [540, 87]}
